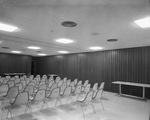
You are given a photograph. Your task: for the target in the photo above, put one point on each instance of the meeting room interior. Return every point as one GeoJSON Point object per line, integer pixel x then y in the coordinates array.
{"type": "Point", "coordinates": [74, 59]}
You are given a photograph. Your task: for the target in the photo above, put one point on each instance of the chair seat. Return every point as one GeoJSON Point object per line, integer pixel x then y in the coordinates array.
{"type": "Point", "coordinates": [7, 100]}
{"type": "Point", "coordinates": [13, 106]}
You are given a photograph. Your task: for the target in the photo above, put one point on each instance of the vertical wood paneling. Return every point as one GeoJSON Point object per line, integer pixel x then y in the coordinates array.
{"type": "Point", "coordinates": [10, 63]}
{"type": "Point", "coordinates": [131, 65]}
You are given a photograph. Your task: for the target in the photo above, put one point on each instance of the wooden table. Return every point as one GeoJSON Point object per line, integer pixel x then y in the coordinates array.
{"type": "Point", "coordinates": [53, 75]}
{"type": "Point", "coordinates": [14, 74]}
{"type": "Point", "coordinates": [120, 83]}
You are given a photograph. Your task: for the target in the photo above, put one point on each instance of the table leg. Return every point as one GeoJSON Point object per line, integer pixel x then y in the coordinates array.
{"type": "Point", "coordinates": [119, 89]}
{"type": "Point", "coordinates": [143, 93]}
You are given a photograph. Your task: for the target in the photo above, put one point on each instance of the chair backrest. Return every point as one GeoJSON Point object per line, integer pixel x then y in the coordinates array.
{"type": "Point", "coordinates": [17, 80]}
{"type": "Point", "coordinates": [43, 80]}
{"type": "Point", "coordinates": [29, 89]}
{"type": "Point", "coordinates": [22, 98]}
{"type": "Point", "coordinates": [22, 78]}
{"type": "Point", "coordinates": [51, 78]}
{"type": "Point", "coordinates": [2, 79]}
{"type": "Point", "coordinates": [10, 83]}
{"type": "Point", "coordinates": [67, 91]}
{"type": "Point", "coordinates": [35, 81]}
{"type": "Point", "coordinates": [68, 82]}
{"type": "Point", "coordinates": [86, 83]}
{"type": "Point", "coordinates": [31, 77]}
{"type": "Point", "coordinates": [60, 83]}
{"type": "Point", "coordinates": [95, 86]}
{"type": "Point", "coordinates": [25, 76]}
{"type": "Point", "coordinates": [51, 83]}
{"type": "Point", "coordinates": [78, 89]}
{"type": "Point", "coordinates": [65, 79]}
{"type": "Point", "coordinates": [31, 83]}
{"type": "Point", "coordinates": [53, 86]}
{"type": "Point", "coordinates": [57, 80]}
{"type": "Point", "coordinates": [12, 92]}
{"type": "Point", "coordinates": [20, 86]}
{"type": "Point", "coordinates": [87, 88]}
{"type": "Point", "coordinates": [79, 82]}
{"type": "Point", "coordinates": [44, 77]}
{"type": "Point", "coordinates": [12, 78]}
{"type": "Point", "coordinates": [27, 80]}
{"type": "Point", "coordinates": [5, 80]}
{"type": "Point", "coordinates": [88, 97]}
{"type": "Point", "coordinates": [102, 85]}
{"type": "Point", "coordinates": [43, 86]}
{"type": "Point", "coordinates": [38, 76]}
{"type": "Point", "coordinates": [63, 86]}
{"type": "Point", "coordinates": [16, 76]}
{"type": "Point", "coordinates": [7, 77]}
{"type": "Point", "coordinates": [98, 94]}
{"type": "Point", "coordinates": [40, 95]}
{"type": "Point", "coordinates": [3, 88]}
{"type": "Point", "coordinates": [23, 83]}
{"type": "Point", "coordinates": [42, 83]}
{"type": "Point", "coordinates": [75, 81]}
{"type": "Point", "coordinates": [72, 86]}
{"type": "Point", "coordinates": [55, 93]}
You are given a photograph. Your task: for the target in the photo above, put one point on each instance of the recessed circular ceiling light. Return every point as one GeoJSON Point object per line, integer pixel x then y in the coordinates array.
{"type": "Point", "coordinates": [112, 40]}
{"type": "Point", "coordinates": [42, 54]}
{"type": "Point", "coordinates": [64, 40]}
{"type": "Point", "coordinates": [95, 48]}
{"type": "Point", "coordinates": [95, 33]}
{"type": "Point", "coordinates": [39, 51]}
{"type": "Point", "coordinates": [15, 51]}
{"type": "Point", "coordinates": [64, 52]}
{"type": "Point", "coordinates": [68, 24]}
{"type": "Point", "coordinates": [34, 47]}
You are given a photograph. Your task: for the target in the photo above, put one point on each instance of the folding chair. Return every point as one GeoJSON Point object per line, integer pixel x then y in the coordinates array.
{"type": "Point", "coordinates": [3, 89]}
{"type": "Point", "coordinates": [66, 93]}
{"type": "Point", "coordinates": [98, 96]}
{"type": "Point", "coordinates": [21, 99]}
{"type": "Point", "coordinates": [85, 102]}
{"type": "Point", "coordinates": [39, 97]}
{"type": "Point", "coordinates": [54, 95]}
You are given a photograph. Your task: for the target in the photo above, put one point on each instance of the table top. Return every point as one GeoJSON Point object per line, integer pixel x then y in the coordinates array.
{"type": "Point", "coordinates": [52, 74]}
{"type": "Point", "coordinates": [132, 84]}
{"type": "Point", "coordinates": [14, 73]}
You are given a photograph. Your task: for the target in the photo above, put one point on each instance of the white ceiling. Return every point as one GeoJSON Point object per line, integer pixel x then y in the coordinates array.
{"type": "Point", "coordinates": [39, 23]}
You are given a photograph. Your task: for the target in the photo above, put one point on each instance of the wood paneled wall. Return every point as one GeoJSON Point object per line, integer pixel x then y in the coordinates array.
{"type": "Point", "coordinates": [131, 65]}
{"type": "Point", "coordinates": [11, 63]}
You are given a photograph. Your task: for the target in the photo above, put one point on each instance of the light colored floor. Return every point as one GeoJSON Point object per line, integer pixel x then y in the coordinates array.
{"type": "Point", "coordinates": [116, 108]}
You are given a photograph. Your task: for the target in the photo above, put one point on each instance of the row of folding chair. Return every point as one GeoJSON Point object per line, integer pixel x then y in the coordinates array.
{"type": "Point", "coordinates": [60, 87]}
{"type": "Point", "coordinates": [23, 98]}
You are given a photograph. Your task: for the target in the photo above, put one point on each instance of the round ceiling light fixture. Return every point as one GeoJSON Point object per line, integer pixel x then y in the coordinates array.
{"type": "Point", "coordinates": [69, 24]}
{"type": "Point", "coordinates": [112, 40]}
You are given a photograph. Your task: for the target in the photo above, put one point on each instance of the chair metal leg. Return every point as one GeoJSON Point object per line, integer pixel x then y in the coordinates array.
{"type": "Point", "coordinates": [26, 109]}
{"type": "Point", "coordinates": [102, 104]}
{"type": "Point", "coordinates": [82, 111]}
{"type": "Point", "coordinates": [30, 108]}
{"type": "Point", "coordinates": [44, 103]}
{"type": "Point", "coordinates": [93, 108]}
{"type": "Point", "coordinates": [42, 106]}
{"type": "Point", "coordinates": [9, 111]}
